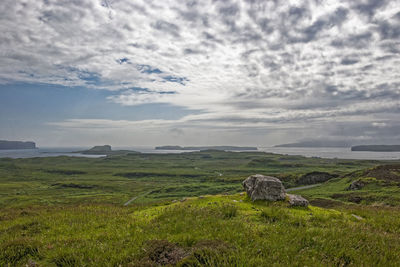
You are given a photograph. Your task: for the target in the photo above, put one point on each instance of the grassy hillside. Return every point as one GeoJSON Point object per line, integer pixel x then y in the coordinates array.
{"type": "Point", "coordinates": [66, 211]}
{"type": "Point", "coordinates": [211, 231]}
{"type": "Point", "coordinates": [381, 187]}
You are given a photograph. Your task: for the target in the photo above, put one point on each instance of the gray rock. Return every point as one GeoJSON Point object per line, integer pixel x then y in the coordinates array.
{"type": "Point", "coordinates": [297, 201]}
{"type": "Point", "coordinates": [260, 187]}
{"type": "Point", "coordinates": [356, 185]}
{"type": "Point", "coordinates": [357, 217]}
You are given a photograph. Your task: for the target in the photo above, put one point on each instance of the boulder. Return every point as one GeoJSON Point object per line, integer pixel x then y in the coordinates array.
{"type": "Point", "coordinates": [297, 201]}
{"type": "Point", "coordinates": [260, 187]}
{"type": "Point", "coordinates": [356, 185]}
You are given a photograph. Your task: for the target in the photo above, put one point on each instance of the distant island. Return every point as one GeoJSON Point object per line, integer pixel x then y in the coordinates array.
{"type": "Point", "coordinates": [316, 144]}
{"type": "Point", "coordinates": [101, 149]}
{"type": "Point", "coordinates": [105, 150]}
{"type": "Point", "coordinates": [377, 148]}
{"type": "Point", "coordinates": [222, 148]}
{"type": "Point", "coordinates": [16, 145]}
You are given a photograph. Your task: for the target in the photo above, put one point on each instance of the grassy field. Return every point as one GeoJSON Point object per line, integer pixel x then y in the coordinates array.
{"type": "Point", "coordinates": [150, 177]}
{"type": "Point", "coordinates": [187, 210]}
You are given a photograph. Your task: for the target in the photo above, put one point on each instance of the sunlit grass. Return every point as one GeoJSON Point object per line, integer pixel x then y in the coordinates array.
{"type": "Point", "coordinates": [249, 234]}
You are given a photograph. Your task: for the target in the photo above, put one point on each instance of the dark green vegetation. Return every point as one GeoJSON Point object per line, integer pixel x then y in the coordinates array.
{"type": "Point", "coordinates": [16, 145]}
{"type": "Point", "coordinates": [377, 148]}
{"type": "Point", "coordinates": [66, 211]}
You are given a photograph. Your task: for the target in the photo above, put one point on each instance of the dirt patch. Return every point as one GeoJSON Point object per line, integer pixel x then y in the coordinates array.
{"type": "Point", "coordinates": [162, 252]}
{"type": "Point", "coordinates": [384, 172]}
{"type": "Point", "coordinates": [154, 174]}
{"type": "Point", "coordinates": [351, 197]}
{"type": "Point", "coordinates": [210, 253]}
{"type": "Point", "coordinates": [315, 178]}
{"type": "Point", "coordinates": [72, 185]}
{"type": "Point", "coordinates": [66, 172]}
{"type": "Point", "coordinates": [325, 203]}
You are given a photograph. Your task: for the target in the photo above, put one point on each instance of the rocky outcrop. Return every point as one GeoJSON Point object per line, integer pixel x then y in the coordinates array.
{"type": "Point", "coordinates": [260, 187]}
{"type": "Point", "coordinates": [297, 201]}
{"type": "Point", "coordinates": [356, 185]}
{"type": "Point", "coordinates": [16, 145]}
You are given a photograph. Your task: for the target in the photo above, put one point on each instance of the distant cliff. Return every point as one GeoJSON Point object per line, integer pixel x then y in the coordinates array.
{"type": "Point", "coordinates": [16, 145]}
{"type": "Point", "coordinates": [377, 148]}
{"type": "Point", "coordinates": [223, 148]}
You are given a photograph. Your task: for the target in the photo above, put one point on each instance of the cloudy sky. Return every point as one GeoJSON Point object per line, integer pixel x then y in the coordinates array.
{"type": "Point", "coordinates": [206, 72]}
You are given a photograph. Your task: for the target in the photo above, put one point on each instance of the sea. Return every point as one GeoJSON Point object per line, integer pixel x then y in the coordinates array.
{"type": "Point", "coordinates": [319, 152]}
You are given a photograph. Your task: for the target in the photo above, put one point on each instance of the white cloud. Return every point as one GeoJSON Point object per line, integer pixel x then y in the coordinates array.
{"type": "Point", "coordinates": [241, 63]}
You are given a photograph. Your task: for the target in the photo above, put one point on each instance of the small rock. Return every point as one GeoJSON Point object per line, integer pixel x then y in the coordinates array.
{"type": "Point", "coordinates": [235, 200]}
{"type": "Point", "coordinates": [183, 199]}
{"type": "Point", "coordinates": [241, 194]}
{"type": "Point", "coordinates": [173, 201]}
{"type": "Point", "coordinates": [297, 201]}
{"type": "Point", "coordinates": [357, 217]}
{"type": "Point", "coordinates": [356, 185]}
{"type": "Point", "coordinates": [264, 188]}
{"type": "Point", "coordinates": [201, 197]}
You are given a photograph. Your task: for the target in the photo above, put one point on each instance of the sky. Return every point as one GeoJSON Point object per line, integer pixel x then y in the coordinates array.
{"type": "Point", "coordinates": [207, 72]}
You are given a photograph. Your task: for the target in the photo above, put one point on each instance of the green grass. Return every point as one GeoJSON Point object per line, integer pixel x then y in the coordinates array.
{"type": "Point", "coordinates": [375, 193]}
{"type": "Point", "coordinates": [242, 233]}
{"type": "Point", "coordinates": [187, 211]}
{"type": "Point", "coordinates": [119, 178]}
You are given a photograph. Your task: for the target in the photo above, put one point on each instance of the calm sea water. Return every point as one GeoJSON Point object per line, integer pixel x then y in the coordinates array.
{"type": "Point", "coordinates": [332, 152]}
{"type": "Point", "coordinates": [329, 152]}
{"type": "Point", "coordinates": [45, 152]}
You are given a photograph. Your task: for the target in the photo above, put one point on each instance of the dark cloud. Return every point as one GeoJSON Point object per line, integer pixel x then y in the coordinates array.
{"type": "Point", "coordinates": [167, 27]}
{"type": "Point", "coordinates": [229, 11]}
{"type": "Point", "coordinates": [361, 40]}
{"type": "Point", "coordinates": [349, 61]}
{"type": "Point", "coordinates": [388, 30]}
{"type": "Point", "coordinates": [192, 51]}
{"type": "Point", "coordinates": [369, 7]}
